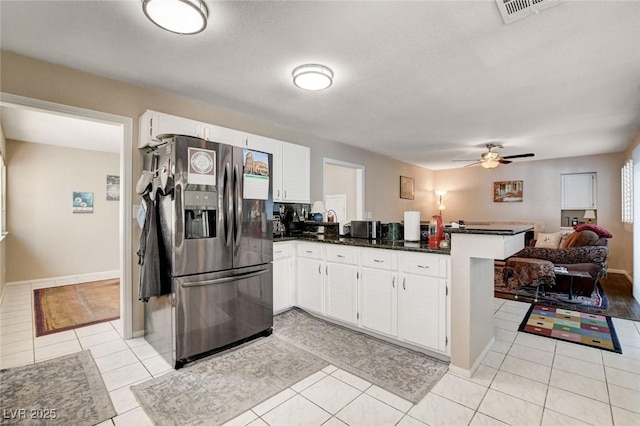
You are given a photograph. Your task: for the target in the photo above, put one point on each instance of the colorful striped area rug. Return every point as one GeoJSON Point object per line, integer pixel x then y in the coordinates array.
{"type": "Point", "coordinates": [596, 331]}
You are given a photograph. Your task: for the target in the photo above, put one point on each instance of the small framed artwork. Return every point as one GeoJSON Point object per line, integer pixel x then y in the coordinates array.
{"type": "Point", "coordinates": [407, 188]}
{"type": "Point", "coordinates": [508, 191]}
{"type": "Point", "coordinates": [113, 188]}
{"type": "Point", "coordinates": [82, 202]}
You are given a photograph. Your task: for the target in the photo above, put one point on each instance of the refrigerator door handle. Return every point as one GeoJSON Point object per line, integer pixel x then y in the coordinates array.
{"type": "Point", "coordinates": [228, 200]}
{"type": "Point", "coordinates": [225, 279]}
{"type": "Point", "coordinates": [238, 200]}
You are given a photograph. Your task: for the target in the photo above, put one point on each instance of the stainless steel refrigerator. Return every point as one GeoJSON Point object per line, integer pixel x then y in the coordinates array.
{"type": "Point", "coordinates": [216, 226]}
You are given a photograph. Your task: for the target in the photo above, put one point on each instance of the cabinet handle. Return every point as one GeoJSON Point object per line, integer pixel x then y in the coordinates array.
{"type": "Point", "coordinates": [285, 194]}
{"type": "Point", "coordinates": [423, 267]}
{"type": "Point", "coordinates": [308, 251]}
{"type": "Point", "coordinates": [378, 261]}
{"type": "Point", "coordinates": [320, 269]}
{"type": "Point", "coordinates": [326, 270]}
{"type": "Point", "coordinates": [393, 282]}
{"type": "Point", "coordinates": [278, 251]}
{"type": "Point", "coordinates": [404, 282]}
{"type": "Point", "coordinates": [340, 255]}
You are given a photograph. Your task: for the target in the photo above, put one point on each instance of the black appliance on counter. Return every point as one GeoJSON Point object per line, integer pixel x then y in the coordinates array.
{"type": "Point", "coordinates": [371, 229]}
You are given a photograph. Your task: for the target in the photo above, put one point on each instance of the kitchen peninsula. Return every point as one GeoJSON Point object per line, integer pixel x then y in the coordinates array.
{"type": "Point", "coordinates": [438, 301]}
{"type": "Point", "coordinates": [473, 250]}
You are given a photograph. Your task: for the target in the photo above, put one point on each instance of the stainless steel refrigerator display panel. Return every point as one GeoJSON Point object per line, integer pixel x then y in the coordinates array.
{"type": "Point", "coordinates": [216, 223]}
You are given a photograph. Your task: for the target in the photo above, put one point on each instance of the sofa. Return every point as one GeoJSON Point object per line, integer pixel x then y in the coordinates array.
{"type": "Point", "coordinates": [586, 249]}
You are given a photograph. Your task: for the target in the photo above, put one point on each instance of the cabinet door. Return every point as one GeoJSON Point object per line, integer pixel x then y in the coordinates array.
{"type": "Point", "coordinates": [310, 284]}
{"type": "Point", "coordinates": [273, 147]}
{"type": "Point", "coordinates": [579, 191]}
{"type": "Point", "coordinates": [379, 301]}
{"type": "Point", "coordinates": [282, 285]}
{"type": "Point", "coordinates": [423, 311]}
{"type": "Point", "coordinates": [170, 124]}
{"type": "Point", "coordinates": [296, 175]}
{"type": "Point", "coordinates": [342, 291]}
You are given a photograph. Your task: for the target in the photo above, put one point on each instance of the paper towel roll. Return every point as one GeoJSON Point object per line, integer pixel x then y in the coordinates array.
{"type": "Point", "coordinates": [412, 226]}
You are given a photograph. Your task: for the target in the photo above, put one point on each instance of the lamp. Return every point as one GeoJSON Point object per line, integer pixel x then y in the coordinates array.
{"type": "Point", "coordinates": [318, 208]}
{"type": "Point", "coordinates": [177, 16]}
{"type": "Point", "coordinates": [589, 214]}
{"type": "Point", "coordinates": [312, 77]}
{"type": "Point", "coordinates": [441, 193]}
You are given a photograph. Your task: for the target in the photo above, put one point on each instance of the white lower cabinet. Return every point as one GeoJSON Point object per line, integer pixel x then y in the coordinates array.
{"type": "Point", "coordinates": [341, 284]}
{"type": "Point", "coordinates": [379, 301]}
{"type": "Point", "coordinates": [310, 277]}
{"type": "Point", "coordinates": [422, 308]}
{"type": "Point", "coordinates": [401, 295]}
{"type": "Point", "coordinates": [282, 277]}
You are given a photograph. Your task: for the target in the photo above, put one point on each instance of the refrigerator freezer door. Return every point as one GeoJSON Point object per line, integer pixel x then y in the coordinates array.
{"type": "Point", "coordinates": [218, 309]}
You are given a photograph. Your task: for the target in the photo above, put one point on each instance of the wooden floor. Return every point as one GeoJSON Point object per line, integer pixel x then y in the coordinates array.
{"type": "Point", "coordinates": [618, 290]}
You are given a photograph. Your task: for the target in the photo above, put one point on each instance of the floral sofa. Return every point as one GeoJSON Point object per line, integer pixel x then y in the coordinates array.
{"type": "Point", "coordinates": [589, 253]}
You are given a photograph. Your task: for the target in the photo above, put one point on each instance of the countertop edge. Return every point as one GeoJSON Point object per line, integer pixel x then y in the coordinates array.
{"type": "Point", "coordinates": [364, 243]}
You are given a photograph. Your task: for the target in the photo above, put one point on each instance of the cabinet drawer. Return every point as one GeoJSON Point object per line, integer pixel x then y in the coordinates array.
{"type": "Point", "coordinates": [281, 250]}
{"type": "Point", "coordinates": [348, 255]}
{"type": "Point", "coordinates": [379, 259]}
{"type": "Point", "coordinates": [312, 251]}
{"type": "Point", "coordinates": [424, 264]}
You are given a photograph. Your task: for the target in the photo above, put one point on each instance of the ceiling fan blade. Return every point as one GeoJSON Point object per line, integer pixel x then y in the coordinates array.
{"type": "Point", "coordinates": [473, 164]}
{"type": "Point", "coordinates": [503, 161]}
{"type": "Point", "coordinates": [464, 160]}
{"type": "Point", "coordinates": [519, 156]}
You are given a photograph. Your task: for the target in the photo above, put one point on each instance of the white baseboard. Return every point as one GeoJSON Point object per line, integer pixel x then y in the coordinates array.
{"type": "Point", "coordinates": [64, 280]}
{"type": "Point", "coordinates": [459, 371]}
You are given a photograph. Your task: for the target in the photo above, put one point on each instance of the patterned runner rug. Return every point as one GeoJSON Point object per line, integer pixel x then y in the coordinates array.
{"type": "Point", "coordinates": [578, 327]}
{"type": "Point", "coordinates": [67, 390]}
{"type": "Point", "coordinates": [218, 388]}
{"type": "Point", "coordinates": [406, 373]}
{"type": "Point", "coordinates": [72, 306]}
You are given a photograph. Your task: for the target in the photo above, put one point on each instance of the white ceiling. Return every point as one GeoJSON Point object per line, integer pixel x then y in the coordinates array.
{"type": "Point", "coordinates": [27, 125]}
{"type": "Point", "coordinates": [424, 81]}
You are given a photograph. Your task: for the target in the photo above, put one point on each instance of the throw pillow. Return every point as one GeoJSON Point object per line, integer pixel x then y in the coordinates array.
{"type": "Point", "coordinates": [595, 228]}
{"type": "Point", "coordinates": [569, 240]}
{"type": "Point", "coordinates": [548, 240]}
{"type": "Point", "coordinates": [584, 238]}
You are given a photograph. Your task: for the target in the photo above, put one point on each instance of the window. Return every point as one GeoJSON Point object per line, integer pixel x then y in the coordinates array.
{"type": "Point", "coordinates": [627, 192]}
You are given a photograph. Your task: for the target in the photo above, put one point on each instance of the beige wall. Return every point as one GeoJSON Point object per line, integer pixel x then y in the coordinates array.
{"type": "Point", "coordinates": [470, 195]}
{"type": "Point", "coordinates": [47, 239]}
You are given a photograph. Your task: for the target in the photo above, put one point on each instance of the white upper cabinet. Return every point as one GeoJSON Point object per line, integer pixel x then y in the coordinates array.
{"type": "Point", "coordinates": [296, 173]}
{"type": "Point", "coordinates": [579, 191]}
{"type": "Point", "coordinates": [291, 172]}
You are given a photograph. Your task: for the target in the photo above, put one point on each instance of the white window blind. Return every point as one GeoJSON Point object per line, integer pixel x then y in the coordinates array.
{"type": "Point", "coordinates": [627, 192]}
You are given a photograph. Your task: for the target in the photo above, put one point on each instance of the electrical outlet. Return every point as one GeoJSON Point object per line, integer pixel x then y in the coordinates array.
{"type": "Point", "coordinates": [367, 215]}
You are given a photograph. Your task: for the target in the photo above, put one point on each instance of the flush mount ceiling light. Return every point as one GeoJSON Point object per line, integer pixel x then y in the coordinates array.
{"type": "Point", "coordinates": [177, 16]}
{"type": "Point", "coordinates": [312, 77]}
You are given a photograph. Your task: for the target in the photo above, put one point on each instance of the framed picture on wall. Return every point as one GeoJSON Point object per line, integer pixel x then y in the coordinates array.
{"type": "Point", "coordinates": [407, 188]}
{"type": "Point", "coordinates": [82, 202]}
{"type": "Point", "coordinates": [508, 191]}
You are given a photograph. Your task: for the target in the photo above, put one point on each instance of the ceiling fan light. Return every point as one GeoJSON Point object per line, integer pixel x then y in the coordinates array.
{"type": "Point", "coordinates": [490, 164]}
{"type": "Point", "coordinates": [177, 16]}
{"type": "Point", "coordinates": [312, 77]}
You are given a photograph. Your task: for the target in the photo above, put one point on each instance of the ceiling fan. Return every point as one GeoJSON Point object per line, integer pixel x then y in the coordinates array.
{"type": "Point", "coordinates": [492, 159]}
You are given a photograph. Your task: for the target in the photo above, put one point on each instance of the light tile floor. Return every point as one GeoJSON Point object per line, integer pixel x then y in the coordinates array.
{"type": "Point", "coordinates": [523, 380]}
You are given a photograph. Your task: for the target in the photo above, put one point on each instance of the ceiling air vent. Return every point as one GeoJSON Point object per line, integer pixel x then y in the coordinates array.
{"type": "Point", "coordinates": [513, 10]}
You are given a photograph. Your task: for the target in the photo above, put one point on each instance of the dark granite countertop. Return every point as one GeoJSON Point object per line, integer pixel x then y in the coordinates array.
{"type": "Point", "coordinates": [363, 242]}
{"type": "Point", "coordinates": [494, 229]}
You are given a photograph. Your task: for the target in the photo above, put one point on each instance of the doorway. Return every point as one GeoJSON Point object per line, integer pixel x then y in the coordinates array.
{"type": "Point", "coordinates": [125, 125]}
{"type": "Point", "coordinates": [343, 189]}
